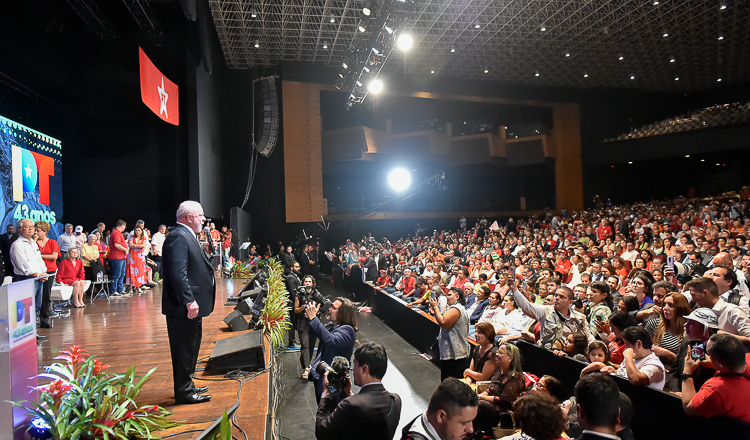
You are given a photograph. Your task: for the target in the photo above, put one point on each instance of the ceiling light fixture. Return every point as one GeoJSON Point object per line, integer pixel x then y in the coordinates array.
{"type": "Point", "coordinates": [656, 2]}
{"type": "Point", "coordinates": [722, 7]}
{"type": "Point", "coordinates": [453, 49]}
{"type": "Point", "coordinates": [477, 25]}
{"type": "Point", "coordinates": [257, 44]}
{"type": "Point", "coordinates": [567, 55]}
{"type": "Point", "coordinates": [486, 70]}
{"type": "Point", "coordinates": [537, 74]}
{"type": "Point", "coordinates": [325, 45]}
{"type": "Point", "coordinates": [333, 18]}
{"type": "Point", "coordinates": [404, 42]}
{"type": "Point", "coordinates": [544, 28]}
{"type": "Point", "coordinates": [665, 35]}
{"type": "Point", "coordinates": [621, 58]}
{"type": "Point", "coordinates": [585, 75]}
{"type": "Point", "coordinates": [366, 11]}
{"type": "Point", "coordinates": [432, 70]}
{"type": "Point", "coordinates": [671, 60]}
{"type": "Point", "coordinates": [376, 86]}
{"type": "Point", "coordinates": [721, 37]}
{"type": "Point", "coordinates": [677, 78]}
{"type": "Point", "coordinates": [253, 14]}
{"type": "Point", "coordinates": [718, 80]}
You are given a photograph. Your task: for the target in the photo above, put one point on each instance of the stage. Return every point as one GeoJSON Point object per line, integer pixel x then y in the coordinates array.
{"type": "Point", "coordinates": [132, 331]}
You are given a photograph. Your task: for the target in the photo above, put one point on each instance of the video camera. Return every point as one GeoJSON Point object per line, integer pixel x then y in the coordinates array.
{"type": "Point", "coordinates": [337, 373]}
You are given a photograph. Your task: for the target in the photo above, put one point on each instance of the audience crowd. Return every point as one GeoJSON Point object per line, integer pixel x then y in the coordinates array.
{"type": "Point", "coordinates": [655, 293]}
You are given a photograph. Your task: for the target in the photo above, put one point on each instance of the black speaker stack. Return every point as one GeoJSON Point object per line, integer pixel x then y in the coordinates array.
{"type": "Point", "coordinates": [270, 106]}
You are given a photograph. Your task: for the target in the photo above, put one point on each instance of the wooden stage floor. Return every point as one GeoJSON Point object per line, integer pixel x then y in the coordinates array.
{"type": "Point", "coordinates": [132, 331]}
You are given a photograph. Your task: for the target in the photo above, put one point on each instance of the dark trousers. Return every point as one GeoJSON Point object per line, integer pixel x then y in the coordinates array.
{"type": "Point", "coordinates": [184, 344]}
{"type": "Point", "coordinates": [454, 368]}
{"type": "Point", "coordinates": [157, 260]}
{"type": "Point", "coordinates": [46, 300]}
{"type": "Point", "coordinates": [307, 340]}
{"type": "Point", "coordinates": [293, 329]}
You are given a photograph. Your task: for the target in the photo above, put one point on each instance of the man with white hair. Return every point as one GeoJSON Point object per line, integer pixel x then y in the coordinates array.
{"type": "Point", "coordinates": [188, 295]}
{"type": "Point", "coordinates": [28, 264]}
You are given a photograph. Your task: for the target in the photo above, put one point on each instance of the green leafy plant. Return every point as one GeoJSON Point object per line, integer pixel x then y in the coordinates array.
{"type": "Point", "coordinates": [275, 314]}
{"type": "Point", "coordinates": [238, 269]}
{"type": "Point", "coordinates": [85, 402]}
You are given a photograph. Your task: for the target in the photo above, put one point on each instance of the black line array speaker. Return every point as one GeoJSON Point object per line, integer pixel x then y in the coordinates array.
{"type": "Point", "coordinates": [244, 306]}
{"type": "Point", "coordinates": [236, 321]}
{"type": "Point", "coordinates": [243, 351]}
{"type": "Point", "coordinates": [270, 106]}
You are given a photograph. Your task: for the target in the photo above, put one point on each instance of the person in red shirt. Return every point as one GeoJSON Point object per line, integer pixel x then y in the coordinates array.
{"type": "Point", "coordinates": [603, 231]}
{"type": "Point", "coordinates": [118, 250]}
{"type": "Point", "coordinates": [50, 251]}
{"type": "Point", "coordinates": [71, 274]}
{"type": "Point", "coordinates": [728, 392]}
{"type": "Point", "coordinates": [563, 264]}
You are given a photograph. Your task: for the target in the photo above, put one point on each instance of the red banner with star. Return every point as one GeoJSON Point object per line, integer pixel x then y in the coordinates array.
{"type": "Point", "coordinates": [158, 93]}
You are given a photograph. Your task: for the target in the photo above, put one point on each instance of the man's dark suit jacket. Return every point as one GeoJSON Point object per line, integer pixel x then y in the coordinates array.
{"type": "Point", "coordinates": [5, 246]}
{"type": "Point", "coordinates": [363, 416]}
{"type": "Point", "coordinates": [371, 269]}
{"type": "Point", "coordinates": [188, 275]}
{"type": "Point", "coordinates": [592, 436]}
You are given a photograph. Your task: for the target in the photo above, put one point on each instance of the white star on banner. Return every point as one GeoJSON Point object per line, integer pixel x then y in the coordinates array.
{"type": "Point", "coordinates": [163, 97]}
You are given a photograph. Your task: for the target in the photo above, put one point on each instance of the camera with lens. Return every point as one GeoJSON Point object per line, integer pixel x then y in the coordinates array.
{"type": "Point", "coordinates": [337, 373]}
{"type": "Point", "coordinates": [686, 271]}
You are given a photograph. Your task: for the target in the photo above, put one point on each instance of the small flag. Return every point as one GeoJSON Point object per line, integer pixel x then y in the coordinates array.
{"type": "Point", "coordinates": [494, 226]}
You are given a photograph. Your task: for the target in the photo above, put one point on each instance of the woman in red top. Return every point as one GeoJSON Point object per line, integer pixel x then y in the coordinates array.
{"type": "Point", "coordinates": [135, 274]}
{"type": "Point", "coordinates": [50, 251]}
{"type": "Point", "coordinates": [71, 274]}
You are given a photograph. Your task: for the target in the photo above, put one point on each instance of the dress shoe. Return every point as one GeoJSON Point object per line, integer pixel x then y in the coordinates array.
{"type": "Point", "coordinates": [194, 398]}
{"type": "Point", "coordinates": [40, 337]}
{"type": "Point", "coordinates": [201, 390]}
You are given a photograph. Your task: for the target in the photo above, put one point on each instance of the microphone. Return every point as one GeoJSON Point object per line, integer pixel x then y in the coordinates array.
{"type": "Point", "coordinates": [206, 229]}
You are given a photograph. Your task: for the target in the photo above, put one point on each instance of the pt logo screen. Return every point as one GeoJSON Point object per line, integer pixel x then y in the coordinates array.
{"type": "Point", "coordinates": [30, 169]}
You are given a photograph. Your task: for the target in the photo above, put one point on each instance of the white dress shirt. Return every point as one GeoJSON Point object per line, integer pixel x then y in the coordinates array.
{"type": "Point", "coordinates": [26, 257]}
{"type": "Point", "coordinates": [158, 241]}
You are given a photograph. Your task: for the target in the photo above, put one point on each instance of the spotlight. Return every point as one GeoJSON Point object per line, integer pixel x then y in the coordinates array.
{"type": "Point", "coordinates": [389, 30]}
{"type": "Point", "coordinates": [537, 74]}
{"type": "Point", "coordinates": [677, 79]}
{"type": "Point", "coordinates": [253, 14]}
{"type": "Point", "coordinates": [567, 55]}
{"type": "Point", "coordinates": [325, 45]}
{"type": "Point", "coordinates": [257, 44]}
{"type": "Point", "coordinates": [399, 179]}
{"type": "Point", "coordinates": [376, 86]}
{"type": "Point", "coordinates": [585, 75]}
{"type": "Point", "coordinates": [722, 7]}
{"type": "Point", "coordinates": [630, 163]}
{"type": "Point", "coordinates": [486, 70]}
{"type": "Point", "coordinates": [453, 49]}
{"type": "Point", "coordinates": [665, 35]}
{"type": "Point", "coordinates": [332, 18]}
{"type": "Point", "coordinates": [477, 25]}
{"type": "Point", "coordinates": [544, 28]}
{"type": "Point", "coordinates": [721, 37]}
{"type": "Point", "coordinates": [656, 2]}
{"type": "Point", "coordinates": [687, 155]}
{"type": "Point", "coordinates": [404, 42]}
{"type": "Point", "coordinates": [366, 11]}
{"type": "Point", "coordinates": [432, 70]}
{"type": "Point", "coordinates": [632, 76]}
{"type": "Point", "coordinates": [362, 26]}
{"type": "Point", "coordinates": [344, 65]}
{"type": "Point", "coordinates": [621, 58]}
{"type": "Point", "coordinates": [718, 80]}
{"type": "Point", "coordinates": [671, 60]}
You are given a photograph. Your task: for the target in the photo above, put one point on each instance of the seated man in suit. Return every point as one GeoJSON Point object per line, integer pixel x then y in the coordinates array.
{"type": "Point", "coordinates": [373, 413]}
{"type": "Point", "coordinates": [598, 406]}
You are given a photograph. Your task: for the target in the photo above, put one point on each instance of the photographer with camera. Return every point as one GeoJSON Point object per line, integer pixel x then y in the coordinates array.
{"type": "Point", "coordinates": [336, 337]}
{"type": "Point", "coordinates": [373, 413]}
{"type": "Point", "coordinates": [307, 295]}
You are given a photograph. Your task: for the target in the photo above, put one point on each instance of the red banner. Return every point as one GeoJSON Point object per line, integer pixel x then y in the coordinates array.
{"type": "Point", "coordinates": [159, 93]}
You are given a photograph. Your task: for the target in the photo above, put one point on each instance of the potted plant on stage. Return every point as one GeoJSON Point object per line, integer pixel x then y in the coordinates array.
{"type": "Point", "coordinates": [85, 402]}
{"type": "Point", "coordinates": [275, 314]}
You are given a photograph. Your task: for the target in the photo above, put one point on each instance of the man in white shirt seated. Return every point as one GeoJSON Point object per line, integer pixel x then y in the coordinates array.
{"type": "Point", "coordinates": [157, 241]}
{"type": "Point", "coordinates": [641, 366]}
{"type": "Point", "coordinates": [726, 282]}
{"type": "Point", "coordinates": [732, 319]}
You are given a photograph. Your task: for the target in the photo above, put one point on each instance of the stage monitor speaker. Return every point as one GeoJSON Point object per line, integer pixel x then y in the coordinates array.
{"type": "Point", "coordinates": [236, 321]}
{"type": "Point", "coordinates": [244, 306]}
{"type": "Point", "coordinates": [243, 351]}
{"type": "Point", "coordinates": [270, 106]}
{"type": "Point", "coordinates": [250, 293]}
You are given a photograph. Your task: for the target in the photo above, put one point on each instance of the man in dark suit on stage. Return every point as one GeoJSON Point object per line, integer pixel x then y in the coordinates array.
{"type": "Point", "coordinates": [5, 241]}
{"type": "Point", "coordinates": [598, 407]}
{"type": "Point", "coordinates": [373, 413]}
{"type": "Point", "coordinates": [188, 295]}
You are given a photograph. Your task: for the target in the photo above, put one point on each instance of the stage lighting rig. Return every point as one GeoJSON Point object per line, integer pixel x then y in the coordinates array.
{"type": "Point", "coordinates": [377, 34]}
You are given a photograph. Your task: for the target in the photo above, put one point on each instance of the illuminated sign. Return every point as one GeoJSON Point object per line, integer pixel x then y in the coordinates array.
{"type": "Point", "coordinates": [30, 168]}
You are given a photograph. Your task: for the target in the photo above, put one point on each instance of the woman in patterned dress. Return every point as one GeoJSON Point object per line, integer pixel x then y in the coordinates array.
{"type": "Point", "coordinates": [135, 274]}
